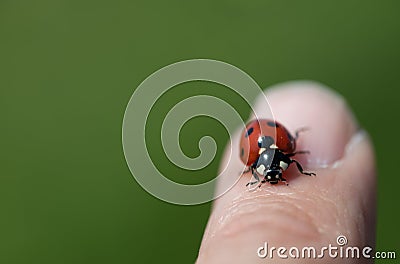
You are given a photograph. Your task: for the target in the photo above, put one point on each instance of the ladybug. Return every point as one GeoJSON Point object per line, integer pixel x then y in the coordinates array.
{"type": "Point", "coordinates": [267, 148]}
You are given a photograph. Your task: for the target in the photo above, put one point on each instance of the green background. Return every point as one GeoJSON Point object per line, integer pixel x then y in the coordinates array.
{"type": "Point", "coordinates": [68, 69]}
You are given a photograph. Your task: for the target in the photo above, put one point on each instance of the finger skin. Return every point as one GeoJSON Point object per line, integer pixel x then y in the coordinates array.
{"type": "Point", "coordinates": [311, 211]}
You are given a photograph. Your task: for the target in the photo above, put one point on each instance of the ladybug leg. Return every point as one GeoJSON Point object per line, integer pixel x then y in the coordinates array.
{"type": "Point", "coordinates": [255, 177]}
{"type": "Point", "coordinates": [285, 181]}
{"type": "Point", "coordinates": [262, 182]}
{"type": "Point", "coordinates": [250, 168]}
{"type": "Point", "coordinates": [298, 152]}
{"type": "Point", "coordinates": [300, 130]}
{"type": "Point", "coordinates": [247, 170]}
{"type": "Point", "coordinates": [300, 168]}
{"type": "Point", "coordinates": [282, 179]}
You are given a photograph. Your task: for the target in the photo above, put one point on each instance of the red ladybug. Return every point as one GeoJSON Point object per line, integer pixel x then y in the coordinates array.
{"type": "Point", "coordinates": [266, 146]}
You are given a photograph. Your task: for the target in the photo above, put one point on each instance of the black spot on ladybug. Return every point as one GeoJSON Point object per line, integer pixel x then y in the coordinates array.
{"type": "Point", "coordinates": [272, 124]}
{"type": "Point", "coordinates": [242, 152]}
{"type": "Point", "coordinates": [248, 133]}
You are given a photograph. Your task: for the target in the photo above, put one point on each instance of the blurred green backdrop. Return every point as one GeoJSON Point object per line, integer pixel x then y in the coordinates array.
{"type": "Point", "coordinates": [68, 69]}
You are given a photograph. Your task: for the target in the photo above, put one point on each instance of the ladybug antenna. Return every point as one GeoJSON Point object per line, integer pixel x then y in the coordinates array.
{"type": "Point", "coordinates": [300, 130]}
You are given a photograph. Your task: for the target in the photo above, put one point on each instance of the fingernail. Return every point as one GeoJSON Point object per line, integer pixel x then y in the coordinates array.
{"type": "Point", "coordinates": [330, 121]}
{"type": "Point", "coordinates": [356, 139]}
